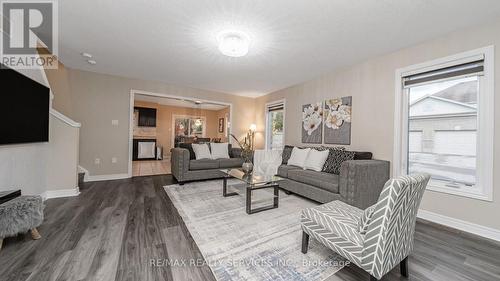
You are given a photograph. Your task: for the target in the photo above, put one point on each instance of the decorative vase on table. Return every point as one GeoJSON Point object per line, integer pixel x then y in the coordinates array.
{"type": "Point", "coordinates": [247, 167]}
{"type": "Point", "coordinates": [247, 148]}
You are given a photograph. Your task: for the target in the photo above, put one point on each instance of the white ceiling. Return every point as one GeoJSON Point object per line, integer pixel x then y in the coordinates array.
{"type": "Point", "coordinates": [292, 40]}
{"type": "Point", "coordinates": [179, 102]}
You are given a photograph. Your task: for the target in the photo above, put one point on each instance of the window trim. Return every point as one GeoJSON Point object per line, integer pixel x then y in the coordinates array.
{"type": "Point", "coordinates": [486, 117]}
{"type": "Point", "coordinates": [267, 129]}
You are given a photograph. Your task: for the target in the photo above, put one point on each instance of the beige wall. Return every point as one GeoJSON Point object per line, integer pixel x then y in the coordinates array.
{"type": "Point", "coordinates": [98, 99]}
{"type": "Point", "coordinates": [59, 85]}
{"type": "Point", "coordinates": [164, 115]}
{"type": "Point", "coordinates": [372, 86]}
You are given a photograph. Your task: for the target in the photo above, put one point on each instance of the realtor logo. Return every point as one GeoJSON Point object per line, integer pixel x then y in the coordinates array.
{"type": "Point", "coordinates": [27, 25]}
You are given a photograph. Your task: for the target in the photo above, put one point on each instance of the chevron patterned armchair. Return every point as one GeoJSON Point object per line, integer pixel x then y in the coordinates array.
{"type": "Point", "coordinates": [375, 239]}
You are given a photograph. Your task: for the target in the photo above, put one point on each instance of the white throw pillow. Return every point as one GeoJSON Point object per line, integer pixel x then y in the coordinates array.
{"type": "Point", "coordinates": [298, 157]}
{"type": "Point", "coordinates": [201, 151]}
{"type": "Point", "coordinates": [219, 150]}
{"type": "Point", "coordinates": [316, 160]}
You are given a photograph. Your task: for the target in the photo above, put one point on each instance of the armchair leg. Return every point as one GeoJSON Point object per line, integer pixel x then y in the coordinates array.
{"type": "Point", "coordinates": [305, 242]}
{"type": "Point", "coordinates": [403, 266]}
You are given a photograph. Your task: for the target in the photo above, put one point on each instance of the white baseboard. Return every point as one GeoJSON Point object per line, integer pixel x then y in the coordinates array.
{"type": "Point", "coordinates": [465, 226]}
{"type": "Point", "coordinates": [60, 193]}
{"type": "Point", "coordinates": [106, 177]}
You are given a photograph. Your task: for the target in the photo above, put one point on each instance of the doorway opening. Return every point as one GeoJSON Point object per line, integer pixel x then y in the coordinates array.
{"type": "Point", "coordinates": [160, 122]}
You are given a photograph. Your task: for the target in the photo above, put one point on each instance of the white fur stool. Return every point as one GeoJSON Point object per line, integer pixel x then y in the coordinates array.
{"type": "Point", "coordinates": [20, 215]}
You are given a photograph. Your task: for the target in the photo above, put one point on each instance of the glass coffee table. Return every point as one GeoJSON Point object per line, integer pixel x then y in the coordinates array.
{"type": "Point", "coordinates": [250, 183]}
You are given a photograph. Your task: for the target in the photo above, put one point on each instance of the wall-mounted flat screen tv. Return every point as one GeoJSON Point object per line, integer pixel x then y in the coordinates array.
{"type": "Point", "coordinates": [24, 114]}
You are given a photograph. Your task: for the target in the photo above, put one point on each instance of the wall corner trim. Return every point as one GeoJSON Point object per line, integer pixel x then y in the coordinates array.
{"type": "Point", "coordinates": [49, 194]}
{"type": "Point", "coordinates": [465, 226]}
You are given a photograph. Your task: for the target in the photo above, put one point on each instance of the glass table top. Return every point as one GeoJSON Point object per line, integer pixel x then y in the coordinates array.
{"type": "Point", "coordinates": [253, 178]}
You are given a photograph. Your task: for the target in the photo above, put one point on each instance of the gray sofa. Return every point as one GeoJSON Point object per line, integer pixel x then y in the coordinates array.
{"type": "Point", "coordinates": [185, 168]}
{"type": "Point", "coordinates": [358, 184]}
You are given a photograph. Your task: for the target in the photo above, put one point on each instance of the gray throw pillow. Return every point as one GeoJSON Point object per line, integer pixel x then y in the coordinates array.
{"type": "Point", "coordinates": [287, 152]}
{"type": "Point", "coordinates": [335, 160]}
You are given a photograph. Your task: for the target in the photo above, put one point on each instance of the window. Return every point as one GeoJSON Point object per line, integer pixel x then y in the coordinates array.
{"type": "Point", "coordinates": [445, 127]}
{"type": "Point", "coordinates": [188, 126]}
{"type": "Point", "coordinates": [415, 141]}
{"type": "Point", "coordinates": [275, 125]}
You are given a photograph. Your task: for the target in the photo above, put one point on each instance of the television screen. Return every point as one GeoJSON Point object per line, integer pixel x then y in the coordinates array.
{"type": "Point", "coordinates": [24, 115]}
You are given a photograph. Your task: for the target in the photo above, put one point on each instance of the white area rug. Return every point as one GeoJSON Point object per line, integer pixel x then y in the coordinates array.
{"type": "Point", "coordinates": [261, 246]}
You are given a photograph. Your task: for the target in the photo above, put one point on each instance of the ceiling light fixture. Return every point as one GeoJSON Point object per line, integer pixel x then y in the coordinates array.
{"type": "Point", "coordinates": [233, 43]}
{"type": "Point", "coordinates": [87, 55]}
{"type": "Point", "coordinates": [92, 62]}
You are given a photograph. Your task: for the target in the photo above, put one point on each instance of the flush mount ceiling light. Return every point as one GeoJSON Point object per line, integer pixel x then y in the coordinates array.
{"type": "Point", "coordinates": [233, 43]}
{"type": "Point", "coordinates": [86, 55]}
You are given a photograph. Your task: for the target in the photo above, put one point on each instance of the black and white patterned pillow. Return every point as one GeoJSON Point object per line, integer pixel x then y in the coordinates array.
{"type": "Point", "coordinates": [287, 153]}
{"type": "Point", "coordinates": [335, 159]}
{"type": "Point", "coordinates": [323, 148]}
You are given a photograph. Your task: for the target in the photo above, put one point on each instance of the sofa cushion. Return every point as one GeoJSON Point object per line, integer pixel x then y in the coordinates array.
{"type": "Point", "coordinates": [361, 155]}
{"type": "Point", "coordinates": [335, 219]}
{"type": "Point", "coordinates": [201, 151]}
{"type": "Point", "coordinates": [335, 159]}
{"type": "Point", "coordinates": [219, 150]}
{"type": "Point", "coordinates": [299, 156]}
{"type": "Point", "coordinates": [283, 170]}
{"type": "Point", "coordinates": [326, 181]}
{"type": "Point", "coordinates": [203, 164]}
{"type": "Point", "coordinates": [230, 163]}
{"type": "Point", "coordinates": [316, 160]}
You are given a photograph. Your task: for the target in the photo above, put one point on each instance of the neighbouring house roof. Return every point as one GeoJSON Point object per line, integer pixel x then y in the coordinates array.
{"type": "Point", "coordinates": [465, 92]}
{"type": "Point", "coordinates": [458, 99]}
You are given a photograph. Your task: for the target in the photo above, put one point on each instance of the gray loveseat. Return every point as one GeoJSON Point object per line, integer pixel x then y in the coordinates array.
{"type": "Point", "coordinates": [358, 184]}
{"type": "Point", "coordinates": [186, 168]}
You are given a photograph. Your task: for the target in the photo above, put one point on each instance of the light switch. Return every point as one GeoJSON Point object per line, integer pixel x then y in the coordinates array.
{"type": "Point", "coordinates": [97, 161]}
{"type": "Point", "coordinates": [114, 122]}
{"type": "Point", "coordinates": [114, 160]}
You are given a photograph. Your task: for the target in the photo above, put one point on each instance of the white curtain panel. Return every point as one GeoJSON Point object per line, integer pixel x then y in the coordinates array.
{"type": "Point", "coordinates": [266, 162]}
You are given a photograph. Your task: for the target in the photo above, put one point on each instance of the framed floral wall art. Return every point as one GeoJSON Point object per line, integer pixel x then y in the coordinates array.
{"type": "Point", "coordinates": [312, 119]}
{"type": "Point", "coordinates": [337, 120]}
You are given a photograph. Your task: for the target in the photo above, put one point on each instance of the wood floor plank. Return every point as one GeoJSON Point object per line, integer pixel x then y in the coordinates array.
{"type": "Point", "coordinates": [115, 228]}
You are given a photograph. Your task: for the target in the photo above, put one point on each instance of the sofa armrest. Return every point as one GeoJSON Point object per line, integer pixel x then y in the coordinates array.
{"type": "Point", "coordinates": [361, 181]}
{"type": "Point", "coordinates": [179, 162]}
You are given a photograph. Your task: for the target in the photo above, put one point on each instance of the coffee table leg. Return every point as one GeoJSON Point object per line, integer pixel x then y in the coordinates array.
{"type": "Point", "coordinates": [249, 200]}
{"type": "Point", "coordinates": [260, 209]}
{"type": "Point", "coordinates": [224, 189]}
{"type": "Point", "coordinates": [276, 196]}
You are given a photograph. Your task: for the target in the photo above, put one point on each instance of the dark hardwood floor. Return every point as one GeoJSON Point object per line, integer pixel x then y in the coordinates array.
{"type": "Point", "coordinates": [115, 229]}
